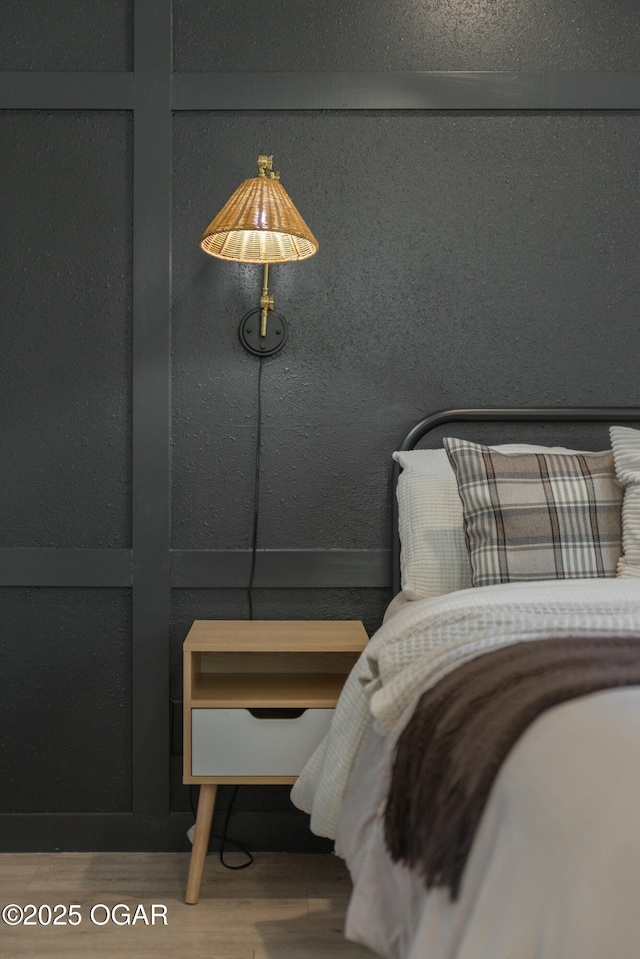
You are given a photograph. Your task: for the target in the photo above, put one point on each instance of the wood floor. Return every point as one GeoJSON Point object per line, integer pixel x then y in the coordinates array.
{"type": "Point", "coordinates": [284, 906]}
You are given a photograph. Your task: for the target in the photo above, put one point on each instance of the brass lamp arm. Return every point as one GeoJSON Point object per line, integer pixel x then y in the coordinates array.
{"type": "Point", "coordinates": [263, 338]}
{"type": "Point", "coordinates": [266, 301]}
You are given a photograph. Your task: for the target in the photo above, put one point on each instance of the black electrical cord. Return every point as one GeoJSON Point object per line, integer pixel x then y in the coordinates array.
{"type": "Point", "coordinates": [224, 839]}
{"type": "Point", "coordinates": [256, 491]}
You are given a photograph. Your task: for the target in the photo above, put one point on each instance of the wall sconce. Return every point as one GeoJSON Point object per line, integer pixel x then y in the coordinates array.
{"type": "Point", "coordinates": [260, 224]}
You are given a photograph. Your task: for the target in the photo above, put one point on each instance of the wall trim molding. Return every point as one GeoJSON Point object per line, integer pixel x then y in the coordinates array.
{"type": "Point", "coordinates": [65, 567]}
{"type": "Point", "coordinates": [198, 569]}
{"type": "Point", "coordinates": [151, 405]}
{"type": "Point", "coordinates": [123, 832]}
{"type": "Point", "coordinates": [34, 90]}
{"type": "Point", "coordinates": [419, 90]}
{"type": "Point", "coordinates": [281, 568]}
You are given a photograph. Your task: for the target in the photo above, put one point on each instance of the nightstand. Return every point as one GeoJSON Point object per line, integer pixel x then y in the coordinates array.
{"type": "Point", "coordinates": [258, 699]}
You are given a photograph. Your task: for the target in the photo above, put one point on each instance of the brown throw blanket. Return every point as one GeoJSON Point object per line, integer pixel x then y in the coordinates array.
{"type": "Point", "coordinates": [463, 728]}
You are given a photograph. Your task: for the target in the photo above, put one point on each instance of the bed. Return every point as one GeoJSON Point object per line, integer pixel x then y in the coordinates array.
{"type": "Point", "coordinates": [536, 853]}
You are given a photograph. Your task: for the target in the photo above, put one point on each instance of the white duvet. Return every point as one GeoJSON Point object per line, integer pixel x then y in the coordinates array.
{"type": "Point", "coordinates": [554, 872]}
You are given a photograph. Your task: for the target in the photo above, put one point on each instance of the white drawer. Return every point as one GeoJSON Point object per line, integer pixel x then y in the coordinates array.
{"type": "Point", "coordinates": [232, 742]}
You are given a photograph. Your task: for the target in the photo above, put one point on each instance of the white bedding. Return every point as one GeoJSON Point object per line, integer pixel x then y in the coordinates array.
{"type": "Point", "coordinates": [554, 872]}
{"type": "Point", "coordinates": [427, 639]}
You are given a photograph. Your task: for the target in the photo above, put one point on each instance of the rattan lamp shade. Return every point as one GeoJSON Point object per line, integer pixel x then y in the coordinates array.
{"type": "Point", "coordinates": [259, 224]}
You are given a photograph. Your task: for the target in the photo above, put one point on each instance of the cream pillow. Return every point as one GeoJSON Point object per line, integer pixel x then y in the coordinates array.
{"type": "Point", "coordinates": [433, 552]}
{"type": "Point", "coordinates": [625, 443]}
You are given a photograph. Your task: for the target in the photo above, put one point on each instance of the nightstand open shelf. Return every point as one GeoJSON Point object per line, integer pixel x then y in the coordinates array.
{"type": "Point", "coordinates": [241, 677]}
{"type": "Point", "coordinates": [319, 690]}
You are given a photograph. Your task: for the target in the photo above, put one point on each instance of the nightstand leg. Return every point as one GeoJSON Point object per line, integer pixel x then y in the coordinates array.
{"type": "Point", "coordinates": [206, 802]}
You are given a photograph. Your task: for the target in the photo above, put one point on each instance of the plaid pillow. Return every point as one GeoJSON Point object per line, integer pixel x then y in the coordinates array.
{"type": "Point", "coordinates": [534, 516]}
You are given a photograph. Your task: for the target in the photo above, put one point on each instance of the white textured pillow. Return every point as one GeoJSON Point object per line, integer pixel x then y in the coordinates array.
{"type": "Point", "coordinates": [625, 443]}
{"type": "Point", "coordinates": [433, 551]}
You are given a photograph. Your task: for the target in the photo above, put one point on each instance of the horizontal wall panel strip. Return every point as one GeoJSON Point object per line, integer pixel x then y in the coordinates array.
{"type": "Point", "coordinates": [66, 91]}
{"type": "Point", "coordinates": [331, 91]}
{"type": "Point", "coordinates": [65, 567]}
{"type": "Point", "coordinates": [326, 568]}
{"type": "Point", "coordinates": [273, 831]}
{"type": "Point", "coordinates": [84, 832]}
{"type": "Point", "coordinates": [406, 91]}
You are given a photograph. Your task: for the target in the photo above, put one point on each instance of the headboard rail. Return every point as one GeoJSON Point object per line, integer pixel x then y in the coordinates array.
{"type": "Point", "coordinates": [535, 414]}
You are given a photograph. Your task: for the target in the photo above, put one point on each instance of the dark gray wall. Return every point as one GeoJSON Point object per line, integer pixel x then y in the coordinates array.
{"type": "Point", "coordinates": [65, 471]}
{"type": "Point", "coordinates": [407, 35]}
{"type": "Point", "coordinates": [468, 257]}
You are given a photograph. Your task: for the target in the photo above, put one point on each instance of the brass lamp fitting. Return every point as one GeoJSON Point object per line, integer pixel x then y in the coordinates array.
{"type": "Point", "coordinates": [266, 301]}
{"type": "Point", "coordinates": [265, 167]}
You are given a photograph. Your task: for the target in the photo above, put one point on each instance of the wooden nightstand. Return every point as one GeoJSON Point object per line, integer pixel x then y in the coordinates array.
{"type": "Point", "coordinates": [258, 699]}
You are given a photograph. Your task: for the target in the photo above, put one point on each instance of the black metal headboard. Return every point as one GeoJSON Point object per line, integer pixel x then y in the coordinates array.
{"type": "Point", "coordinates": [542, 414]}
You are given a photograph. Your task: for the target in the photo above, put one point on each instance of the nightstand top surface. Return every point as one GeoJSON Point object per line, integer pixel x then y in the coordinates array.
{"type": "Point", "coordinates": [267, 635]}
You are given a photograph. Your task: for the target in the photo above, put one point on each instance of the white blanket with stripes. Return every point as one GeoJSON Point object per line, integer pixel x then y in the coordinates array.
{"type": "Point", "coordinates": [428, 639]}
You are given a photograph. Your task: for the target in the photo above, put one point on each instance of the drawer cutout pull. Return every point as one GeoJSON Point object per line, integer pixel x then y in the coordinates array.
{"type": "Point", "coordinates": [266, 713]}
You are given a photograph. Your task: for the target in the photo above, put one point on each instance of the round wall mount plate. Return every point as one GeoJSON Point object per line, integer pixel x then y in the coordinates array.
{"type": "Point", "coordinates": [249, 332]}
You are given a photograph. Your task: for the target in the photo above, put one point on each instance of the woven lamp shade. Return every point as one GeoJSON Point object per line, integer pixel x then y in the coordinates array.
{"type": "Point", "coordinates": [259, 224]}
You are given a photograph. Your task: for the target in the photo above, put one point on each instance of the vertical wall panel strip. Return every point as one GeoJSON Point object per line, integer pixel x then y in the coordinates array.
{"type": "Point", "coordinates": [151, 405]}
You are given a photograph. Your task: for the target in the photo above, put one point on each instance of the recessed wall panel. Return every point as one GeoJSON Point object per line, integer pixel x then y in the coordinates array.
{"type": "Point", "coordinates": [66, 329]}
{"type": "Point", "coordinates": [374, 35]}
{"type": "Point", "coordinates": [65, 735]}
{"type": "Point", "coordinates": [90, 35]}
{"type": "Point", "coordinates": [473, 259]}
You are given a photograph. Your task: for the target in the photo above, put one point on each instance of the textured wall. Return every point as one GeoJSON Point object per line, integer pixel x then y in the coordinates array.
{"type": "Point", "coordinates": [465, 259]}
{"type": "Point", "coordinates": [480, 259]}
{"type": "Point", "coordinates": [66, 722]}
{"type": "Point", "coordinates": [65, 464]}
{"type": "Point", "coordinates": [66, 35]}
{"type": "Point", "coordinates": [374, 35]}
{"type": "Point", "coordinates": [66, 329]}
